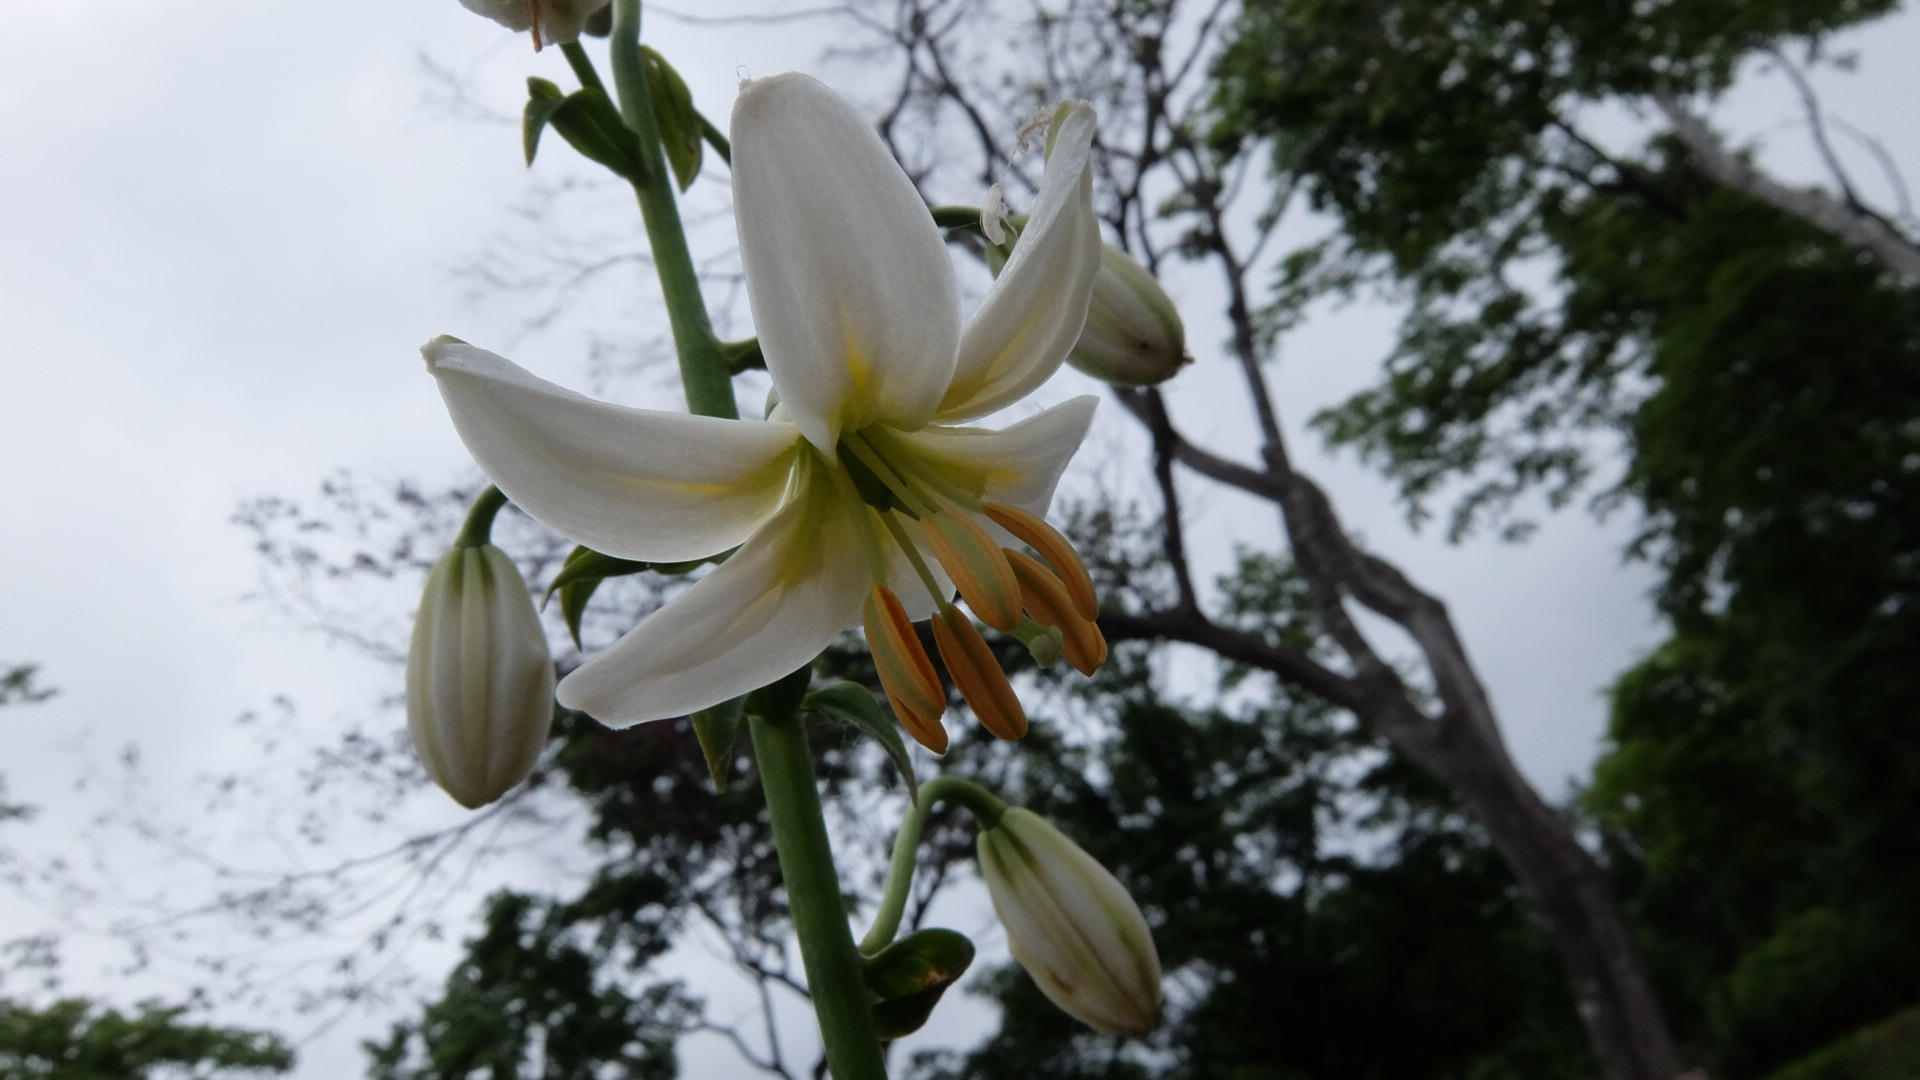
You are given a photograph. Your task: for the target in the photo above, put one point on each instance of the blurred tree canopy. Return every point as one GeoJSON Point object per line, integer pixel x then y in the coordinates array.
{"type": "Point", "coordinates": [1763, 375]}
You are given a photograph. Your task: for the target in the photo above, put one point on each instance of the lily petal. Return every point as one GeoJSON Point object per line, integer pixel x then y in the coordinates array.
{"type": "Point", "coordinates": [765, 612]}
{"type": "Point", "coordinates": [1033, 314]}
{"type": "Point", "coordinates": [852, 290]}
{"type": "Point", "coordinates": [1017, 465]}
{"type": "Point", "coordinates": [633, 483]}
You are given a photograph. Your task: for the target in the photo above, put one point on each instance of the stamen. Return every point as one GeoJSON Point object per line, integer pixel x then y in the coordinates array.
{"type": "Point", "coordinates": [1054, 548]}
{"type": "Point", "coordinates": [534, 7]}
{"type": "Point", "coordinates": [978, 568]}
{"type": "Point", "coordinates": [906, 671]}
{"type": "Point", "coordinates": [1047, 599]}
{"type": "Point", "coordinates": [978, 674]}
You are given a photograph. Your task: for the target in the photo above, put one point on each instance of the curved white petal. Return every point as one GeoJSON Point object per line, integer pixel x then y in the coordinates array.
{"type": "Point", "coordinates": [634, 483]}
{"type": "Point", "coordinates": [771, 608]}
{"type": "Point", "coordinates": [1017, 465]}
{"type": "Point", "coordinates": [852, 291]}
{"type": "Point", "coordinates": [1033, 314]}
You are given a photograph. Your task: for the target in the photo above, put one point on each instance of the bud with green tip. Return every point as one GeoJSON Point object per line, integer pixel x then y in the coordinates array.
{"type": "Point", "coordinates": [553, 22]}
{"type": "Point", "coordinates": [1071, 924]}
{"type": "Point", "coordinates": [1133, 335]}
{"type": "Point", "coordinates": [479, 676]}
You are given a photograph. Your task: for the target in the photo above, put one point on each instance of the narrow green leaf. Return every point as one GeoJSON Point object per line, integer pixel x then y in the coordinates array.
{"type": "Point", "coordinates": [573, 604]}
{"type": "Point", "coordinates": [589, 122]}
{"type": "Point", "coordinates": [909, 976]}
{"type": "Point", "coordinates": [717, 728]}
{"type": "Point", "coordinates": [680, 124]}
{"type": "Point", "coordinates": [583, 563]}
{"type": "Point", "coordinates": [851, 703]}
{"type": "Point", "coordinates": [543, 99]}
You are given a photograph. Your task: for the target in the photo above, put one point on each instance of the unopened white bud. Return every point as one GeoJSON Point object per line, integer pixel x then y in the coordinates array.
{"type": "Point", "coordinates": [1133, 335]}
{"type": "Point", "coordinates": [559, 22]}
{"type": "Point", "coordinates": [1071, 924]}
{"type": "Point", "coordinates": [479, 676]}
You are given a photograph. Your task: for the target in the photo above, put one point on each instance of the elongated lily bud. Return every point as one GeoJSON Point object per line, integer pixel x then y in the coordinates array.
{"type": "Point", "coordinates": [553, 22]}
{"type": "Point", "coordinates": [1134, 335]}
{"type": "Point", "coordinates": [1071, 924]}
{"type": "Point", "coordinates": [479, 676]}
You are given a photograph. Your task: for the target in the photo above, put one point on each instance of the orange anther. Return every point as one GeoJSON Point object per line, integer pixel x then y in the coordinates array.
{"type": "Point", "coordinates": [906, 671]}
{"type": "Point", "coordinates": [977, 673]}
{"type": "Point", "coordinates": [977, 566]}
{"type": "Point", "coordinates": [1054, 548]}
{"type": "Point", "coordinates": [1047, 600]}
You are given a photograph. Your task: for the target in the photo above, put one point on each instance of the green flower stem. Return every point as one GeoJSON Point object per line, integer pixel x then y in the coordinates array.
{"type": "Point", "coordinates": [477, 530]}
{"type": "Point", "coordinates": [703, 370]}
{"type": "Point", "coordinates": [893, 905]}
{"type": "Point", "coordinates": [841, 1001]}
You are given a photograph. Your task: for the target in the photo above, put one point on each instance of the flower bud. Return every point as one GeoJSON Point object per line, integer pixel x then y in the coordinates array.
{"type": "Point", "coordinates": [1071, 925]}
{"type": "Point", "coordinates": [1133, 335]}
{"type": "Point", "coordinates": [559, 21]}
{"type": "Point", "coordinates": [479, 676]}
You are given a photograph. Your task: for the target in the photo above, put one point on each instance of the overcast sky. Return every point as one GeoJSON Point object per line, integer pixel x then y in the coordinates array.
{"type": "Point", "coordinates": [228, 225]}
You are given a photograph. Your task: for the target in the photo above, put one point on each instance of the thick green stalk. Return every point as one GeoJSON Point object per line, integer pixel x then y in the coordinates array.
{"type": "Point", "coordinates": [840, 998]}
{"type": "Point", "coordinates": [703, 370]}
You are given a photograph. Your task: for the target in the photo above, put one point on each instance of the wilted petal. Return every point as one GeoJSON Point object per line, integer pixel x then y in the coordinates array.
{"type": "Point", "coordinates": [852, 291]}
{"type": "Point", "coordinates": [760, 615]}
{"type": "Point", "coordinates": [634, 483]}
{"type": "Point", "coordinates": [1018, 465]}
{"type": "Point", "coordinates": [1033, 314]}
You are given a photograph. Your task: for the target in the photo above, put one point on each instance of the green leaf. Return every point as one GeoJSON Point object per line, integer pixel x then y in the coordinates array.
{"type": "Point", "coordinates": [909, 976]}
{"type": "Point", "coordinates": [717, 728]}
{"type": "Point", "coordinates": [580, 576]}
{"type": "Point", "coordinates": [591, 125]}
{"type": "Point", "coordinates": [583, 564]}
{"type": "Point", "coordinates": [851, 703]}
{"type": "Point", "coordinates": [543, 100]}
{"type": "Point", "coordinates": [680, 124]}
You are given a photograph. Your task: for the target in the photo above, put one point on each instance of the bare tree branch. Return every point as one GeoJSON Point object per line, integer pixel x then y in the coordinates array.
{"type": "Point", "coordinates": [1817, 208]}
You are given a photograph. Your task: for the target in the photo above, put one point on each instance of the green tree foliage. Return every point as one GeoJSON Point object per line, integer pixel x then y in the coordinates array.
{"type": "Point", "coordinates": [73, 1039]}
{"type": "Point", "coordinates": [1762, 376]}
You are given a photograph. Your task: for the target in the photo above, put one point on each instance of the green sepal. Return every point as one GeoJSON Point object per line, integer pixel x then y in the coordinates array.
{"type": "Point", "coordinates": [717, 729]}
{"type": "Point", "coordinates": [680, 124]}
{"type": "Point", "coordinates": [908, 977]}
{"type": "Point", "coordinates": [851, 703]}
{"type": "Point", "coordinates": [543, 100]}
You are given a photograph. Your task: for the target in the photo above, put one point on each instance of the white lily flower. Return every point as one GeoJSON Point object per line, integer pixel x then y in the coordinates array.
{"type": "Point", "coordinates": [836, 500]}
{"type": "Point", "coordinates": [553, 22]}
